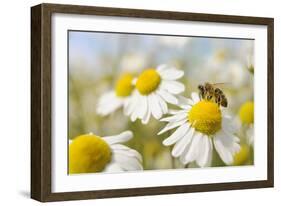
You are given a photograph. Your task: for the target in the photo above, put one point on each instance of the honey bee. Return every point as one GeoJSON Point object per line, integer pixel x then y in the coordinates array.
{"type": "Point", "coordinates": [210, 92]}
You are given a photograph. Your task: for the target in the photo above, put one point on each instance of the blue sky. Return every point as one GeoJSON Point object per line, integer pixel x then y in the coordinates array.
{"type": "Point", "coordinates": [90, 48]}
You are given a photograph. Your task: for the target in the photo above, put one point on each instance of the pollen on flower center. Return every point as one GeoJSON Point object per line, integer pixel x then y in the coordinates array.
{"type": "Point", "coordinates": [148, 81]}
{"type": "Point", "coordinates": [87, 154]}
{"type": "Point", "coordinates": [205, 117]}
{"type": "Point", "coordinates": [246, 113]}
{"type": "Point", "coordinates": [124, 87]}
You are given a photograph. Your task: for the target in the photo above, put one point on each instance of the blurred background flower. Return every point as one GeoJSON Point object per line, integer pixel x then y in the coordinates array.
{"type": "Point", "coordinates": [96, 61]}
{"type": "Point", "coordinates": [133, 62]}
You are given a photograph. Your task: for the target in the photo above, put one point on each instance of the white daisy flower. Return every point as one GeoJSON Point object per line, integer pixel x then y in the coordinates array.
{"type": "Point", "coordinates": [154, 89]}
{"type": "Point", "coordinates": [90, 153]}
{"type": "Point", "coordinates": [201, 126]}
{"type": "Point", "coordinates": [246, 117]}
{"type": "Point", "coordinates": [115, 99]}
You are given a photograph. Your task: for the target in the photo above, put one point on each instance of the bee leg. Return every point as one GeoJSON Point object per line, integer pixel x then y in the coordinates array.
{"type": "Point", "coordinates": [219, 100]}
{"type": "Point", "coordinates": [203, 95]}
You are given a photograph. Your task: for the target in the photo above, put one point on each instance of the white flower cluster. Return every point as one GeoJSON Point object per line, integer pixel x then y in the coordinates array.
{"type": "Point", "coordinates": [200, 125]}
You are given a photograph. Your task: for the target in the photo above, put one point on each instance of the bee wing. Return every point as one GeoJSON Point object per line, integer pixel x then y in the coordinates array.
{"type": "Point", "coordinates": [221, 84]}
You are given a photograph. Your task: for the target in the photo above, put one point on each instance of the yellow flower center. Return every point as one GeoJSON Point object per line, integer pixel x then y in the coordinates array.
{"type": "Point", "coordinates": [205, 117]}
{"type": "Point", "coordinates": [242, 156]}
{"type": "Point", "coordinates": [124, 86]}
{"type": "Point", "coordinates": [148, 81]}
{"type": "Point", "coordinates": [246, 113]}
{"type": "Point", "coordinates": [87, 154]}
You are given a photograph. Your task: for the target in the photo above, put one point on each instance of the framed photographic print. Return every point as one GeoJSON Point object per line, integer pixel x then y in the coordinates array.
{"type": "Point", "coordinates": [132, 102]}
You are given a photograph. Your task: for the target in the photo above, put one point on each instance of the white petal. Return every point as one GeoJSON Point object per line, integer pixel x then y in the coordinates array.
{"type": "Point", "coordinates": [135, 113]}
{"type": "Point", "coordinates": [182, 144]}
{"type": "Point", "coordinates": [192, 152]}
{"type": "Point", "coordinates": [143, 107]}
{"type": "Point", "coordinates": [162, 103]}
{"type": "Point", "coordinates": [107, 97]}
{"type": "Point", "coordinates": [234, 142]}
{"type": "Point", "coordinates": [195, 97]}
{"type": "Point", "coordinates": [171, 74]}
{"type": "Point", "coordinates": [172, 125]}
{"type": "Point", "coordinates": [130, 153]}
{"type": "Point", "coordinates": [184, 103]}
{"type": "Point", "coordinates": [154, 106]}
{"type": "Point", "coordinates": [127, 163]}
{"type": "Point", "coordinates": [147, 115]}
{"type": "Point", "coordinates": [135, 109]}
{"type": "Point", "coordinates": [138, 107]}
{"type": "Point", "coordinates": [136, 154]}
{"type": "Point", "coordinates": [204, 152]}
{"type": "Point", "coordinates": [126, 104]}
{"type": "Point", "coordinates": [132, 104]}
{"type": "Point", "coordinates": [250, 135]}
{"type": "Point", "coordinates": [120, 147]}
{"type": "Point", "coordinates": [210, 155]}
{"type": "Point", "coordinates": [228, 124]}
{"type": "Point", "coordinates": [175, 118]}
{"type": "Point", "coordinates": [178, 134]}
{"type": "Point", "coordinates": [113, 167]}
{"type": "Point", "coordinates": [123, 137]}
{"type": "Point", "coordinates": [226, 146]}
{"type": "Point", "coordinates": [109, 103]}
{"type": "Point", "coordinates": [174, 111]}
{"type": "Point", "coordinates": [162, 68]}
{"type": "Point", "coordinates": [167, 96]}
{"type": "Point", "coordinates": [173, 87]}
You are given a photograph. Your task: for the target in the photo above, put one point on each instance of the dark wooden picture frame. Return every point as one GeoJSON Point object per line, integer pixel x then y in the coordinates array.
{"type": "Point", "coordinates": [41, 116]}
